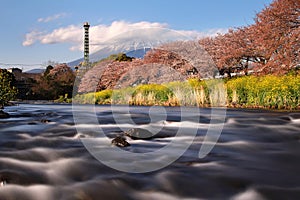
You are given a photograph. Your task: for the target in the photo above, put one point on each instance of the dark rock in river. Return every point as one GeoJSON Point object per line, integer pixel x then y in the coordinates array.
{"type": "Point", "coordinates": [138, 133]}
{"type": "Point", "coordinates": [3, 115]}
{"type": "Point", "coordinates": [45, 121]}
{"type": "Point", "coordinates": [120, 142]}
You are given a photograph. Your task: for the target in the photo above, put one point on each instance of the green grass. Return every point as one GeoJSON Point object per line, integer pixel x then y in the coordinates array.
{"type": "Point", "coordinates": [272, 92]}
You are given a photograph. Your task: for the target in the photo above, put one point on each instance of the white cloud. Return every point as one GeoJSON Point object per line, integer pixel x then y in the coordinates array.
{"type": "Point", "coordinates": [70, 34]}
{"type": "Point", "coordinates": [52, 18]}
{"type": "Point", "coordinates": [32, 37]}
{"type": "Point", "coordinates": [208, 33]}
{"type": "Point", "coordinates": [119, 34]}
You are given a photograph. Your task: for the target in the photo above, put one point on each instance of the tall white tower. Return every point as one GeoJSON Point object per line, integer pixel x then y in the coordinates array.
{"type": "Point", "coordinates": [86, 46]}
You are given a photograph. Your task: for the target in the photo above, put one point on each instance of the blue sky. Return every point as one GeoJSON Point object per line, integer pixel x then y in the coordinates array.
{"type": "Point", "coordinates": [35, 31]}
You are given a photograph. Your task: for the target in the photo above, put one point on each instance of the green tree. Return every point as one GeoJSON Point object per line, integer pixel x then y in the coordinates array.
{"type": "Point", "coordinates": [122, 57]}
{"type": "Point", "coordinates": [7, 90]}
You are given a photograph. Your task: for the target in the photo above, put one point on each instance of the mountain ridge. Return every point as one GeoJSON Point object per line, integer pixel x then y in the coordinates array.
{"type": "Point", "coordinates": [104, 53]}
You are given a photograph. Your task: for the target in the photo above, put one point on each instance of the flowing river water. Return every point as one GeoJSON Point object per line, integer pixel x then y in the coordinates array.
{"type": "Point", "coordinates": [44, 155]}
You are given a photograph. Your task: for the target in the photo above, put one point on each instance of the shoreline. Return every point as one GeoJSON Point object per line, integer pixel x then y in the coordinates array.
{"type": "Point", "coordinates": [235, 107]}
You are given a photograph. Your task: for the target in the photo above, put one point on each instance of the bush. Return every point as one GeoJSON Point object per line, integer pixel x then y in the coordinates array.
{"type": "Point", "coordinates": [150, 94]}
{"type": "Point", "coordinates": [103, 97]}
{"type": "Point", "coordinates": [267, 91]}
{"type": "Point", "coordinates": [7, 91]}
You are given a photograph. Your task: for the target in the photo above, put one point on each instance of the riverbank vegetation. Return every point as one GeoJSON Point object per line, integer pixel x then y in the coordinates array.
{"type": "Point", "coordinates": [270, 92]}
{"type": "Point", "coordinates": [56, 82]}
{"type": "Point", "coordinates": [7, 89]}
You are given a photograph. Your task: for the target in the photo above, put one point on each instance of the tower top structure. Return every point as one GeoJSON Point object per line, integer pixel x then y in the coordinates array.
{"type": "Point", "coordinates": [86, 25]}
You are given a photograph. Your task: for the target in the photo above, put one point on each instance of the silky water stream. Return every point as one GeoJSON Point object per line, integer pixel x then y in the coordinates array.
{"type": "Point", "coordinates": [43, 155]}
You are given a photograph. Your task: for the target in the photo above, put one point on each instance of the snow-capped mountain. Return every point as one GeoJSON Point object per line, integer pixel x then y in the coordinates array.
{"type": "Point", "coordinates": [134, 43]}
